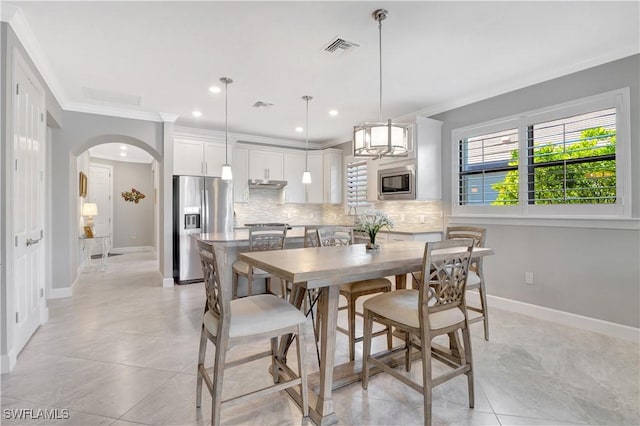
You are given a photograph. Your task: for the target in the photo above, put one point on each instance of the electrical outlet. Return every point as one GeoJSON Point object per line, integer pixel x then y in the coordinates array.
{"type": "Point", "coordinates": [422, 218]}
{"type": "Point", "coordinates": [528, 278]}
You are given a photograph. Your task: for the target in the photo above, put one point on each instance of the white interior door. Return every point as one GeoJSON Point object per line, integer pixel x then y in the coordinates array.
{"type": "Point", "coordinates": [100, 192]}
{"type": "Point", "coordinates": [28, 202]}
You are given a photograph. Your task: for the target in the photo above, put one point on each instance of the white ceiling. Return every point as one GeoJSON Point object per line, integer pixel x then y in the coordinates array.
{"type": "Point", "coordinates": [437, 55]}
{"type": "Point", "coordinates": [114, 151]}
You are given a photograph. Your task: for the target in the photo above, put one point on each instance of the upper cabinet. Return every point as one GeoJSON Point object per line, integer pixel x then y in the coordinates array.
{"type": "Point", "coordinates": [332, 176]}
{"type": "Point", "coordinates": [314, 190]}
{"type": "Point", "coordinates": [428, 145]}
{"type": "Point", "coordinates": [266, 165]}
{"type": "Point", "coordinates": [198, 158]}
{"type": "Point", "coordinates": [240, 169]}
{"type": "Point", "coordinates": [295, 190]}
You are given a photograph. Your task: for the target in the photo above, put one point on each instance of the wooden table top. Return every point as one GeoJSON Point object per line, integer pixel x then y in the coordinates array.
{"type": "Point", "coordinates": [323, 266]}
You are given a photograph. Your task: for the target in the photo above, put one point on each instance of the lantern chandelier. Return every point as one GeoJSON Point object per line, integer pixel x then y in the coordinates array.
{"type": "Point", "coordinates": [382, 139]}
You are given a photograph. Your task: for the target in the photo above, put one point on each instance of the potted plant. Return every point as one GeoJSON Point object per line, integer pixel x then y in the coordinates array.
{"type": "Point", "coordinates": [371, 223]}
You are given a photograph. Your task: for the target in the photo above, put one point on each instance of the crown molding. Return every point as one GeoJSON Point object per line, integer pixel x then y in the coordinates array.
{"type": "Point", "coordinates": [113, 111]}
{"type": "Point", "coordinates": [218, 136]}
{"type": "Point", "coordinates": [168, 117]}
{"type": "Point", "coordinates": [14, 16]}
{"type": "Point", "coordinates": [538, 78]}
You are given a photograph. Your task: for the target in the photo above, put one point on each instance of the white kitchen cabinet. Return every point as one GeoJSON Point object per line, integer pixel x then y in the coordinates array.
{"type": "Point", "coordinates": [240, 168]}
{"type": "Point", "coordinates": [314, 191]}
{"type": "Point", "coordinates": [332, 176]}
{"type": "Point", "coordinates": [387, 237]}
{"type": "Point", "coordinates": [198, 158]}
{"type": "Point", "coordinates": [266, 165]}
{"type": "Point", "coordinates": [294, 192]}
{"type": "Point", "coordinates": [428, 145]}
{"type": "Point", "coordinates": [187, 158]}
{"type": "Point", "coordinates": [214, 158]}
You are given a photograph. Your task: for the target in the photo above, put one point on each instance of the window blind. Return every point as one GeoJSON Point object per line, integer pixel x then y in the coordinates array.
{"type": "Point", "coordinates": [573, 160]}
{"type": "Point", "coordinates": [356, 185]}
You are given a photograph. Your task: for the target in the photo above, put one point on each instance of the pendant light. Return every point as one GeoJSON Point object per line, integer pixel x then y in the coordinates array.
{"type": "Point", "coordinates": [226, 168]}
{"type": "Point", "coordinates": [382, 139]}
{"type": "Point", "coordinates": [306, 176]}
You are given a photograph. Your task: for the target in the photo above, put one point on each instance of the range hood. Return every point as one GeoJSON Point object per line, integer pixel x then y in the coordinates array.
{"type": "Point", "coordinates": [266, 184]}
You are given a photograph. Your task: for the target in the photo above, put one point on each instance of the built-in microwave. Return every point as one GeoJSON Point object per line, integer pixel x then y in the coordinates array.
{"type": "Point", "coordinates": [398, 183]}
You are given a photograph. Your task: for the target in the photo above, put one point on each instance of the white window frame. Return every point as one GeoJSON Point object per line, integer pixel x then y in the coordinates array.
{"type": "Point", "coordinates": [618, 99]}
{"type": "Point", "coordinates": [353, 211]}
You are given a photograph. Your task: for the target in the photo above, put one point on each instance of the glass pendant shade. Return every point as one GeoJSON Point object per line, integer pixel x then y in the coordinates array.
{"type": "Point", "coordinates": [381, 140]}
{"type": "Point", "coordinates": [226, 172]}
{"type": "Point", "coordinates": [306, 177]}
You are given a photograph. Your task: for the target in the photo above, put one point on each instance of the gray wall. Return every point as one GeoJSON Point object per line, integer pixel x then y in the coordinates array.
{"type": "Point", "coordinates": [132, 223]}
{"type": "Point", "coordinates": [591, 272]}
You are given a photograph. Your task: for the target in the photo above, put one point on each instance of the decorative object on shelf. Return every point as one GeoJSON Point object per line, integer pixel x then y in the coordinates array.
{"type": "Point", "coordinates": [83, 185]}
{"type": "Point", "coordinates": [89, 210]}
{"type": "Point", "coordinates": [88, 232]}
{"type": "Point", "coordinates": [382, 139]}
{"type": "Point", "coordinates": [306, 175]}
{"type": "Point", "coordinates": [134, 196]}
{"type": "Point", "coordinates": [227, 174]}
{"type": "Point", "coordinates": [371, 223]}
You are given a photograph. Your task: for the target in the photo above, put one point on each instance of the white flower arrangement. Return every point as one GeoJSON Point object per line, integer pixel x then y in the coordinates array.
{"type": "Point", "coordinates": [372, 222]}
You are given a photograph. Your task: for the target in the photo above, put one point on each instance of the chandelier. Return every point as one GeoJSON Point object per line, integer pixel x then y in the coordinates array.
{"type": "Point", "coordinates": [381, 139]}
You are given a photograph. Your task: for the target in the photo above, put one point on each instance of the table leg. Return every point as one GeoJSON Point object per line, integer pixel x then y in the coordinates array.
{"type": "Point", "coordinates": [328, 306]}
{"type": "Point", "coordinates": [401, 281]}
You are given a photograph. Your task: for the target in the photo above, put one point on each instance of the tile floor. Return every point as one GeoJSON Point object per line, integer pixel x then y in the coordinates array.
{"type": "Point", "coordinates": [123, 351]}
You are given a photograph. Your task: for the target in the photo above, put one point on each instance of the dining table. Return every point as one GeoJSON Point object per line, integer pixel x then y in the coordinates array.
{"type": "Point", "coordinates": [326, 268]}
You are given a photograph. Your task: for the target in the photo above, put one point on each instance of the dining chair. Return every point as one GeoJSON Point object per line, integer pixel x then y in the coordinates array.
{"type": "Point", "coordinates": [476, 275]}
{"type": "Point", "coordinates": [227, 323]}
{"type": "Point", "coordinates": [341, 236]}
{"type": "Point", "coordinates": [261, 238]}
{"type": "Point", "coordinates": [475, 281]}
{"type": "Point", "coordinates": [437, 307]}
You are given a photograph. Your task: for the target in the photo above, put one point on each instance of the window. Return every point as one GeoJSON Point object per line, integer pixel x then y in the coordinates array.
{"type": "Point", "coordinates": [356, 186]}
{"type": "Point", "coordinates": [567, 159]}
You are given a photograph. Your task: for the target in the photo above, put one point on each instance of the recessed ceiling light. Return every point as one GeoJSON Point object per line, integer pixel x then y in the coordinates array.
{"type": "Point", "coordinates": [299, 129]}
{"type": "Point", "coordinates": [333, 112]}
{"type": "Point", "coordinates": [215, 89]}
{"type": "Point", "coordinates": [123, 147]}
{"type": "Point", "coordinates": [197, 114]}
{"type": "Point", "coordinates": [123, 154]}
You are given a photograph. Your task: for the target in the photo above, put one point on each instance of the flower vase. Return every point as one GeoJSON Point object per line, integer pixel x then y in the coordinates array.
{"type": "Point", "coordinates": [371, 245]}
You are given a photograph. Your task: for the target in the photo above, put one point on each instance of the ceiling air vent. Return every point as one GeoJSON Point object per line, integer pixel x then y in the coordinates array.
{"type": "Point", "coordinates": [262, 104]}
{"type": "Point", "coordinates": [339, 45]}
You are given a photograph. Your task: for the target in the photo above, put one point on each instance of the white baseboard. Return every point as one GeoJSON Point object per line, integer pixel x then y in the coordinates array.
{"type": "Point", "coordinates": [60, 293]}
{"type": "Point", "coordinates": [130, 249]}
{"type": "Point", "coordinates": [566, 318]}
{"type": "Point", "coordinates": [167, 282]}
{"type": "Point", "coordinates": [7, 362]}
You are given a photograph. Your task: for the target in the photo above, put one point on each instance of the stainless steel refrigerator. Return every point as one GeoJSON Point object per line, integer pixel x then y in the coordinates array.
{"type": "Point", "coordinates": [200, 205]}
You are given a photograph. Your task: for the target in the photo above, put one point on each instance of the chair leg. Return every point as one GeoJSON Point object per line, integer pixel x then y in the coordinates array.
{"type": "Point", "coordinates": [351, 311]}
{"type": "Point", "coordinates": [234, 286]}
{"type": "Point", "coordinates": [425, 344]}
{"type": "Point", "coordinates": [302, 368]}
{"type": "Point", "coordinates": [274, 364]}
{"type": "Point", "coordinates": [466, 337]}
{"type": "Point", "coordinates": [218, 379]}
{"type": "Point", "coordinates": [485, 311]}
{"type": "Point", "coordinates": [201, 355]}
{"type": "Point", "coordinates": [366, 347]}
{"type": "Point", "coordinates": [407, 361]}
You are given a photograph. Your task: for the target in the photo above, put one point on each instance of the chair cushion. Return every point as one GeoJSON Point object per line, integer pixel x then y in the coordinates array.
{"type": "Point", "coordinates": [366, 286]}
{"type": "Point", "coordinates": [402, 306]}
{"type": "Point", "coordinates": [242, 268]}
{"type": "Point", "coordinates": [257, 314]}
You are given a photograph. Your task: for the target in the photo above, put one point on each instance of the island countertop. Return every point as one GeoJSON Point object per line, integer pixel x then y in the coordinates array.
{"type": "Point", "coordinates": [241, 236]}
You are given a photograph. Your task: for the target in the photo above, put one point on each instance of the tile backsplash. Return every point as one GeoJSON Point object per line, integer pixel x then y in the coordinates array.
{"type": "Point", "coordinates": [266, 206]}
